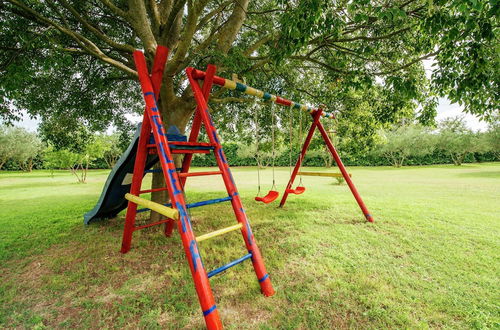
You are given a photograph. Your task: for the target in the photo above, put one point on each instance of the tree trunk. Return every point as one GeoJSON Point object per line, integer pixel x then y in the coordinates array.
{"type": "Point", "coordinates": [174, 111]}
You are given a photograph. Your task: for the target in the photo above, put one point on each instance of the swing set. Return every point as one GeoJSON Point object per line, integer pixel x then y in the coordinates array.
{"type": "Point", "coordinates": [155, 145]}
{"type": "Point", "coordinates": [316, 114]}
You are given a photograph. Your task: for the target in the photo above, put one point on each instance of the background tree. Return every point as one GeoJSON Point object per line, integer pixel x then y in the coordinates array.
{"type": "Point", "coordinates": [19, 146]}
{"type": "Point", "coordinates": [111, 148]}
{"type": "Point", "coordinates": [492, 136]}
{"type": "Point", "coordinates": [457, 140]}
{"type": "Point", "coordinates": [62, 159]}
{"type": "Point", "coordinates": [72, 59]}
{"type": "Point", "coordinates": [401, 142]}
{"type": "Point", "coordinates": [7, 149]}
{"type": "Point", "coordinates": [28, 146]}
{"type": "Point", "coordinates": [77, 163]}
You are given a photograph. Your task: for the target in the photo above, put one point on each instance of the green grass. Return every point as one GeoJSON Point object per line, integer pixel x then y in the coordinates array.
{"type": "Point", "coordinates": [430, 260]}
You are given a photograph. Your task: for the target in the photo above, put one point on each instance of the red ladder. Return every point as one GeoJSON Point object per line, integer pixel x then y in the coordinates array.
{"type": "Point", "coordinates": [175, 181]}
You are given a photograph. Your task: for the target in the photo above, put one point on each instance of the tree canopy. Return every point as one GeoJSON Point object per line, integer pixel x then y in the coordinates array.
{"type": "Point", "coordinates": [73, 58]}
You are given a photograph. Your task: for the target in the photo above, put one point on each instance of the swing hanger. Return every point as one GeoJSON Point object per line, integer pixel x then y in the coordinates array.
{"type": "Point", "coordinates": [273, 193]}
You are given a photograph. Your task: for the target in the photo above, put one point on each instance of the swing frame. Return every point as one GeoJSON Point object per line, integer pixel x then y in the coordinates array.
{"type": "Point", "coordinates": [316, 115]}
{"type": "Point", "coordinates": [331, 148]}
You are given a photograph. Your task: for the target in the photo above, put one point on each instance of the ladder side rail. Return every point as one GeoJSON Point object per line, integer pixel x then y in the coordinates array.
{"type": "Point", "coordinates": [316, 117]}
{"type": "Point", "coordinates": [250, 242]}
{"type": "Point", "coordinates": [195, 129]}
{"type": "Point", "coordinates": [141, 154]}
{"type": "Point", "coordinates": [198, 272]}
{"type": "Point", "coordinates": [346, 175]}
{"type": "Point", "coordinates": [139, 164]}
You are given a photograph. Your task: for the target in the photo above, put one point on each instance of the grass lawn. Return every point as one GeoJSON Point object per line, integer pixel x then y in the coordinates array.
{"type": "Point", "coordinates": [431, 259]}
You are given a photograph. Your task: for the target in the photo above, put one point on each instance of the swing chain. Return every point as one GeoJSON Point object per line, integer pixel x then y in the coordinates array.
{"type": "Point", "coordinates": [300, 141]}
{"type": "Point", "coordinates": [291, 142]}
{"type": "Point", "coordinates": [273, 141]}
{"type": "Point", "coordinates": [256, 119]}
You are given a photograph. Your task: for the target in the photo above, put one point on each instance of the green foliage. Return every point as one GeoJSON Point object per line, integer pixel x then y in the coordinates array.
{"type": "Point", "coordinates": [465, 34]}
{"type": "Point", "coordinates": [401, 142]}
{"type": "Point", "coordinates": [19, 146]}
{"type": "Point", "coordinates": [110, 148]}
{"type": "Point", "coordinates": [77, 163]}
{"type": "Point", "coordinates": [7, 150]}
{"type": "Point", "coordinates": [312, 51]}
{"type": "Point", "coordinates": [457, 140]}
{"type": "Point", "coordinates": [492, 136]}
{"type": "Point", "coordinates": [462, 35]}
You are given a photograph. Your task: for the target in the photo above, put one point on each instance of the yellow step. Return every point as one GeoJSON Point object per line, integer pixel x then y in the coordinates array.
{"type": "Point", "coordinates": [162, 209]}
{"type": "Point", "coordinates": [218, 232]}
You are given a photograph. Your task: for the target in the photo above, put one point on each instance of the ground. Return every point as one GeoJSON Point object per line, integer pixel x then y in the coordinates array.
{"type": "Point", "coordinates": [429, 260]}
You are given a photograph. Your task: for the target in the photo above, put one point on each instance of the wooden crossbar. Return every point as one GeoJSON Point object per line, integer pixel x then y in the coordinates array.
{"type": "Point", "coordinates": [333, 175]}
{"type": "Point", "coordinates": [218, 232]}
{"type": "Point", "coordinates": [164, 210]}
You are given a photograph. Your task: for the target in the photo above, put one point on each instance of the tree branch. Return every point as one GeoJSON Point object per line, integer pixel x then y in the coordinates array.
{"type": "Point", "coordinates": [85, 43]}
{"type": "Point", "coordinates": [187, 36]}
{"type": "Point", "coordinates": [404, 66]}
{"type": "Point", "coordinates": [231, 99]}
{"type": "Point", "coordinates": [95, 31]}
{"type": "Point", "coordinates": [138, 17]}
{"type": "Point", "coordinates": [233, 25]}
{"type": "Point", "coordinates": [113, 8]}
{"type": "Point", "coordinates": [313, 60]}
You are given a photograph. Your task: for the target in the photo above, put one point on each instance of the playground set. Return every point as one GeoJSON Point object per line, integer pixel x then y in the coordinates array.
{"type": "Point", "coordinates": [152, 144]}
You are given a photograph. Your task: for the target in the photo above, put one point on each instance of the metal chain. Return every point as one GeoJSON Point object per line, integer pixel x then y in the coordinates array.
{"type": "Point", "coordinates": [272, 137]}
{"type": "Point", "coordinates": [300, 141]}
{"type": "Point", "coordinates": [291, 142]}
{"type": "Point", "coordinates": [256, 119]}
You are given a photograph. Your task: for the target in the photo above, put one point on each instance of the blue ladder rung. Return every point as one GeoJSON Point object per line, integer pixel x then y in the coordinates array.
{"type": "Point", "coordinates": [208, 202]}
{"type": "Point", "coordinates": [197, 204]}
{"type": "Point", "coordinates": [159, 170]}
{"type": "Point", "coordinates": [153, 171]}
{"type": "Point", "coordinates": [229, 265]}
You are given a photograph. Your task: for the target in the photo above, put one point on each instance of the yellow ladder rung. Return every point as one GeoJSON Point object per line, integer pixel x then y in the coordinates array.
{"type": "Point", "coordinates": [218, 232]}
{"type": "Point", "coordinates": [162, 209]}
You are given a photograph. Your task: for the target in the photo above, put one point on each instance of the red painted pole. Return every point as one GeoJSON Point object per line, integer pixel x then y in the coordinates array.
{"type": "Point", "coordinates": [343, 170]}
{"type": "Point", "coordinates": [316, 118]}
{"type": "Point", "coordinates": [202, 284]}
{"type": "Point", "coordinates": [250, 242]}
{"type": "Point", "coordinates": [140, 160]}
{"type": "Point", "coordinates": [195, 129]}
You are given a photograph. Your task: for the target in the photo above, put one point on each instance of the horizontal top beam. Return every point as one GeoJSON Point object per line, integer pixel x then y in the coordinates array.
{"type": "Point", "coordinates": [230, 84]}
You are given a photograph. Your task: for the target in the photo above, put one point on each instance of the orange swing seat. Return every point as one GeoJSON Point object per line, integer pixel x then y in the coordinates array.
{"type": "Point", "coordinates": [270, 197]}
{"type": "Point", "coordinates": [297, 191]}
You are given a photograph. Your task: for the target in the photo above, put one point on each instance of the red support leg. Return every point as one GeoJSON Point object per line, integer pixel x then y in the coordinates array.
{"type": "Point", "coordinates": [142, 153]}
{"type": "Point", "coordinates": [316, 118]}
{"type": "Point", "coordinates": [140, 162]}
{"type": "Point", "coordinates": [202, 284]}
{"type": "Point", "coordinates": [195, 129]}
{"type": "Point", "coordinates": [343, 170]}
{"type": "Point", "coordinates": [251, 244]}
